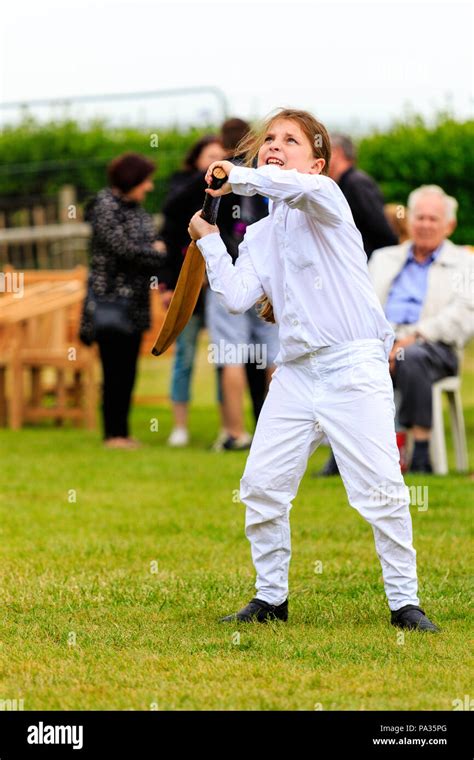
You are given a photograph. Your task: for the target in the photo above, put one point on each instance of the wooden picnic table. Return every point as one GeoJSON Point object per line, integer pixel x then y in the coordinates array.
{"type": "Point", "coordinates": [34, 335]}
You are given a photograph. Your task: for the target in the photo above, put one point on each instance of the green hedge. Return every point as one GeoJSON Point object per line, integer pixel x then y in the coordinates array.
{"type": "Point", "coordinates": [36, 159]}
{"type": "Point", "coordinates": [412, 154]}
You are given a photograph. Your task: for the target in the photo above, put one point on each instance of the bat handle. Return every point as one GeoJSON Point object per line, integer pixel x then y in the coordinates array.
{"type": "Point", "coordinates": [211, 205]}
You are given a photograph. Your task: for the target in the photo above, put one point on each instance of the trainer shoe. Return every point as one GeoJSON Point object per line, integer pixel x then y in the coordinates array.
{"type": "Point", "coordinates": [179, 437]}
{"type": "Point", "coordinates": [218, 444]}
{"type": "Point", "coordinates": [413, 618]}
{"type": "Point", "coordinates": [258, 611]}
{"type": "Point", "coordinates": [242, 443]}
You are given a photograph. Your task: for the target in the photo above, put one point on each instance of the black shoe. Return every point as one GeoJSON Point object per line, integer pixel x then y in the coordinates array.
{"type": "Point", "coordinates": [413, 618]}
{"type": "Point", "coordinates": [258, 611]}
{"type": "Point", "coordinates": [242, 443]}
{"type": "Point", "coordinates": [330, 468]}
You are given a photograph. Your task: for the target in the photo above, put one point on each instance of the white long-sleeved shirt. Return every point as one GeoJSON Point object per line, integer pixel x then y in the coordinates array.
{"type": "Point", "coordinates": [306, 256]}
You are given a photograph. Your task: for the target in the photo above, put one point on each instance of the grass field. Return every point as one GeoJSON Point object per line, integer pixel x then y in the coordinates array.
{"type": "Point", "coordinates": [115, 566]}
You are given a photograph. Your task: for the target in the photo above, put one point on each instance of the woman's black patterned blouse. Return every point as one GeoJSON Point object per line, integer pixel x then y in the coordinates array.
{"type": "Point", "coordinates": [123, 261]}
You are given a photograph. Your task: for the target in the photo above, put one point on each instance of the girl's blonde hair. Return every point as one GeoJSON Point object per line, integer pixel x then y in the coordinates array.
{"type": "Point", "coordinates": [250, 145]}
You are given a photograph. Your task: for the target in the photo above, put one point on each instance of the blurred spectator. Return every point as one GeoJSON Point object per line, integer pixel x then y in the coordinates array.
{"type": "Point", "coordinates": [426, 288]}
{"type": "Point", "coordinates": [185, 197]}
{"type": "Point", "coordinates": [248, 344]}
{"type": "Point", "coordinates": [397, 218]}
{"type": "Point", "coordinates": [125, 253]}
{"type": "Point", "coordinates": [362, 194]}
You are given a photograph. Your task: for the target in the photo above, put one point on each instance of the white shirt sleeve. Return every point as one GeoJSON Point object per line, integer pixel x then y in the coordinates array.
{"type": "Point", "coordinates": [239, 286]}
{"type": "Point", "coordinates": [315, 194]}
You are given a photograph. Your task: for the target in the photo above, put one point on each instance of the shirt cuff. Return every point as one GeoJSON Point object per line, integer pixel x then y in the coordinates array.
{"type": "Point", "coordinates": [242, 180]}
{"type": "Point", "coordinates": [240, 175]}
{"type": "Point", "coordinates": [210, 244]}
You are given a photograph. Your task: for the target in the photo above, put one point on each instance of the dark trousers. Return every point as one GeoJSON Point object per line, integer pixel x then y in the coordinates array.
{"type": "Point", "coordinates": [119, 355]}
{"type": "Point", "coordinates": [421, 365]}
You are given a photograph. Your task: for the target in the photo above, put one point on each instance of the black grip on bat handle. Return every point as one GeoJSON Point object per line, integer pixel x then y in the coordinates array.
{"type": "Point", "coordinates": [211, 205]}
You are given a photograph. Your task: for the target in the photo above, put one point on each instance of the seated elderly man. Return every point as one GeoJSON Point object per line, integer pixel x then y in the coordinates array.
{"type": "Point", "coordinates": [426, 288]}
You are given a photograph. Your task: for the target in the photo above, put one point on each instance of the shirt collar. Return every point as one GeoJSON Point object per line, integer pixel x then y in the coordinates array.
{"type": "Point", "coordinates": [432, 257]}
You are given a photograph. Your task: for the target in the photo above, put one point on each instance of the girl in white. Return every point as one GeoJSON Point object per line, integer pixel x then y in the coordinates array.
{"type": "Point", "coordinates": [306, 264]}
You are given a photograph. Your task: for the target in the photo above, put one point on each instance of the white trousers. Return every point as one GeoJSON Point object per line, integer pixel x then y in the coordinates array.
{"type": "Point", "coordinates": [344, 392]}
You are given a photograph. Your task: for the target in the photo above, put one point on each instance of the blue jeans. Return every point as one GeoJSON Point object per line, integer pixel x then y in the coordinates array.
{"type": "Point", "coordinates": [184, 359]}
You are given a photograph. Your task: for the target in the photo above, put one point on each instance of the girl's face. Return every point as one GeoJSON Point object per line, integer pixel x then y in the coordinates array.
{"type": "Point", "coordinates": [286, 145]}
{"type": "Point", "coordinates": [212, 152]}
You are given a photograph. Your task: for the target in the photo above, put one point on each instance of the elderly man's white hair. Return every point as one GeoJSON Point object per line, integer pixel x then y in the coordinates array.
{"type": "Point", "coordinates": [450, 203]}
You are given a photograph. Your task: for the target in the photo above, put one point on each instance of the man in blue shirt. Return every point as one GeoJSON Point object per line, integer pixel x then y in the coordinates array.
{"type": "Point", "coordinates": [408, 292]}
{"type": "Point", "coordinates": [423, 285]}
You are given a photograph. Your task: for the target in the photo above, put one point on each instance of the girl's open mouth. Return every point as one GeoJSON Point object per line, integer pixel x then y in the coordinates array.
{"type": "Point", "coordinates": [274, 160]}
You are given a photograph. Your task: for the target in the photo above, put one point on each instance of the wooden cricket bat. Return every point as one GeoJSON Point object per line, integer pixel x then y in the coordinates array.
{"type": "Point", "coordinates": [190, 277]}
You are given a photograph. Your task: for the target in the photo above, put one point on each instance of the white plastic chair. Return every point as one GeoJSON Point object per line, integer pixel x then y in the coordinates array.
{"type": "Point", "coordinates": [439, 460]}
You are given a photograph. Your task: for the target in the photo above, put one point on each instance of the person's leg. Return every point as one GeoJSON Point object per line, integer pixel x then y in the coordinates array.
{"type": "Point", "coordinates": [107, 353]}
{"type": "Point", "coordinates": [178, 384]}
{"type": "Point", "coordinates": [257, 384]}
{"type": "Point", "coordinates": [286, 434]}
{"type": "Point", "coordinates": [233, 391]}
{"type": "Point", "coordinates": [329, 468]}
{"type": "Point", "coordinates": [119, 354]}
{"type": "Point", "coordinates": [415, 371]}
{"type": "Point", "coordinates": [180, 415]}
{"type": "Point", "coordinates": [225, 332]}
{"type": "Point", "coordinates": [235, 335]}
{"type": "Point", "coordinates": [128, 348]}
{"type": "Point", "coordinates": [228, 337]}
{"type": "Point", "coordinates": [223, 434]}
{"type": "Point", "coordinates": [357, 413]}
{"type": "Point", "coordinates": [182, 371]}
{"type": "Point", "coordinates": [264, 339]}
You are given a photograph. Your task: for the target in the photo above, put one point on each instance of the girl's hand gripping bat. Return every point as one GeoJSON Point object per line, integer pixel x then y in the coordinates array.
{"type": "Point", "coordinates": [190, 277]}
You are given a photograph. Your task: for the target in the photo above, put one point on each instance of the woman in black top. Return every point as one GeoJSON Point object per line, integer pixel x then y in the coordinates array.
{"type": "Point", "coordinates": [185, 197]}
{"type": "Point", "coordinates": [126, 258]}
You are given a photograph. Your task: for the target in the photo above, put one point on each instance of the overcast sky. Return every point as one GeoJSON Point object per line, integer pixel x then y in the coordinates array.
{"type": "Point", "coordinates": [353, 64]}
